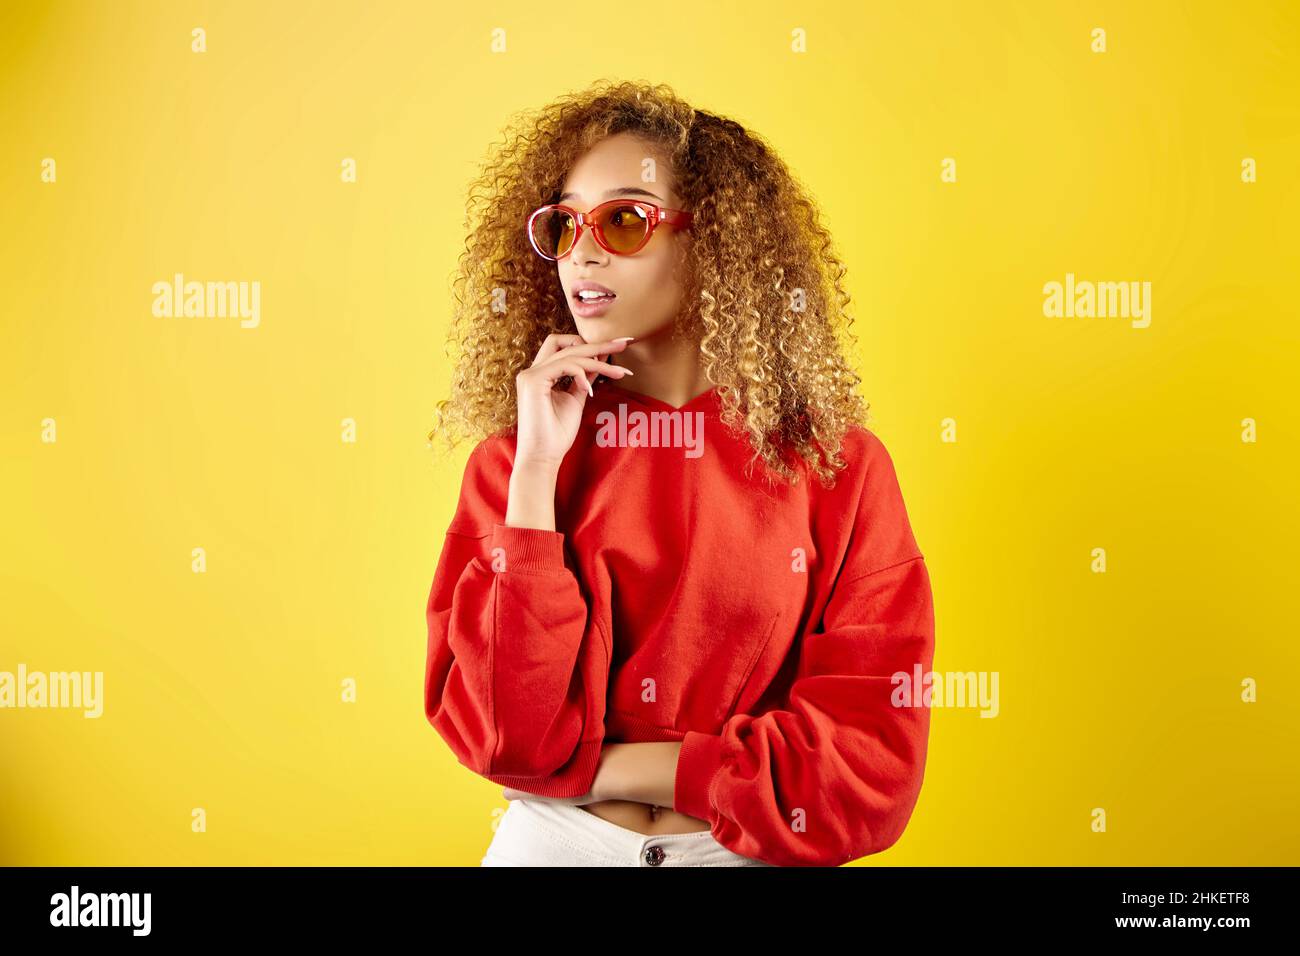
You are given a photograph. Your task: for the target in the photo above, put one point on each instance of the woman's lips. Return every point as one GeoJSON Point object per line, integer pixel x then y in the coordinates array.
{"type": "Point", "coordinates": [590, 310]}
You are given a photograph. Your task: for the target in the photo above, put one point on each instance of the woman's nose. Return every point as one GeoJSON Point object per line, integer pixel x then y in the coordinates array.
{"type": "Point", "coordinates": [587, 249]}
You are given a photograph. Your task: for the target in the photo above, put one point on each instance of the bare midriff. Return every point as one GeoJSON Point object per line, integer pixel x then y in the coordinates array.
{"type": "Point", "coordinates": [643, 818]}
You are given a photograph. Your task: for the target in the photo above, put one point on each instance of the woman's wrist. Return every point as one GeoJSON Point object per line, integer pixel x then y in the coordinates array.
{"type": "Point", "coordinates": [531, 495]}
{"type": "Point", "coordinates": [535, 468]}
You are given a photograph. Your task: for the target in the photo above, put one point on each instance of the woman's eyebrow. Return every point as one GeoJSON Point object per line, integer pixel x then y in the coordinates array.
{"type": "Point", "coordinates": [620, 191]}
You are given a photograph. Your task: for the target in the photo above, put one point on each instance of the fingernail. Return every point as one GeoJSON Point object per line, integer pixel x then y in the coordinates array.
{"type": "Point", "coordinates": [629, 372]}
{"type": "Point", "coordinates": [626, 338]}
{"type": "Point", "coordinates": [590, 391]}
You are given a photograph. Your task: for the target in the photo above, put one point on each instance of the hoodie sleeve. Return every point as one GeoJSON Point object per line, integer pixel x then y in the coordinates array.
{"type": "Point", "coordinates": [517, 667]}
{"type": "Point", "coordinates": [834, 774]}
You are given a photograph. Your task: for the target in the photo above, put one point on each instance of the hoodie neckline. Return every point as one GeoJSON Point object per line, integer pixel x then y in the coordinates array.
{"type": "Point", "coordinates": [615, 389]}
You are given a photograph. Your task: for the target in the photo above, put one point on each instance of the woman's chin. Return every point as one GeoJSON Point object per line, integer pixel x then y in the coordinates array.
{"type": "Point", "coordinates": [594, 330]}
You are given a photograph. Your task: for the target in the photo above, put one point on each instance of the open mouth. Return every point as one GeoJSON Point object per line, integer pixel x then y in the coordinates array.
{"type": "Point", "coordinates": [592, 303]}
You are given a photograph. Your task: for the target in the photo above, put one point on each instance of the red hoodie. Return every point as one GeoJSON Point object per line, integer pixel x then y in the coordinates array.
{"type": "Point", "coordinates": [777, 631]}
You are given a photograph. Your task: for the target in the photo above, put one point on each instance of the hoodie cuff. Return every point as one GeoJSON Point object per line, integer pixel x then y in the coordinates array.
{"type": "Point", "coordinates": [528, 549]}
{"type": "Point", "coordinates": [698, 762]}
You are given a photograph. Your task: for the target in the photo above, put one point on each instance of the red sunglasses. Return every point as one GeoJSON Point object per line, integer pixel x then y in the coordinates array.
{"type": "Point", "coordinates": [621, 226]}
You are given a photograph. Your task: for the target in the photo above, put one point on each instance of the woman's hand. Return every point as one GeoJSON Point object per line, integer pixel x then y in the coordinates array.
{"type": "Point", "coordinates": [549, 418]}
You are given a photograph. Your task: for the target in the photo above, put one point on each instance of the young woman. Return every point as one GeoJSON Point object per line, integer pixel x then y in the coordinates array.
{"type": "Point", "coordinates": [667, 656]}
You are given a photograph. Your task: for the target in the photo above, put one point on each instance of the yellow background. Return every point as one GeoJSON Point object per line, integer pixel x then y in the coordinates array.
{"type": "Point", "coordinates": [222, 690]}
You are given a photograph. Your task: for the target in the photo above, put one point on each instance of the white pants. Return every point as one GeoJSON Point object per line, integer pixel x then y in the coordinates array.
{"type": "Point", "coordinates": [543, 833]}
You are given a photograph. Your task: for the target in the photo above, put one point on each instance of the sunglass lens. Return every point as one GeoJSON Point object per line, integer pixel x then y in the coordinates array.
{"type": "Point", "coordinates": [553, 232]}
{"type": "Point", "coordinates": [624, 227]}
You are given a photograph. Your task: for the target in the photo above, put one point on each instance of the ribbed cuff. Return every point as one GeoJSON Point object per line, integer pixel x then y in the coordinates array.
{"type": "Point", "coordinates": [529, 549]}
{"type": "Point", "coordinates": [698, 762]}
{"type": "Point", "coordinates": [574, 780]}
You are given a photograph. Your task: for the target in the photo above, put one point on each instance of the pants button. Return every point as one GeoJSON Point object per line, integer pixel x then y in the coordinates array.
{"type": "Point", "coordinates": [654, 855]}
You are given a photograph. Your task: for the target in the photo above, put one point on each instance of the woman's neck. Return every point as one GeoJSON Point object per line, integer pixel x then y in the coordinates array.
{"type": "Point", "coordinates": [664, 368]}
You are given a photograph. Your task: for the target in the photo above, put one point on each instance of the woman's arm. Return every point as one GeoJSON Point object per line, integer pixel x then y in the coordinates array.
{"type": "Point", "coordinates": [644, 772]}
{"type": "Point", "coordinates": [834, 771]}
{"type": "Point", "coordinates": [516, 670]}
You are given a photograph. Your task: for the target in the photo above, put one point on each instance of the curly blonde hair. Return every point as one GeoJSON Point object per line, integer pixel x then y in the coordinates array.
{"type": "Point", "coordinates": [764, 300]}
